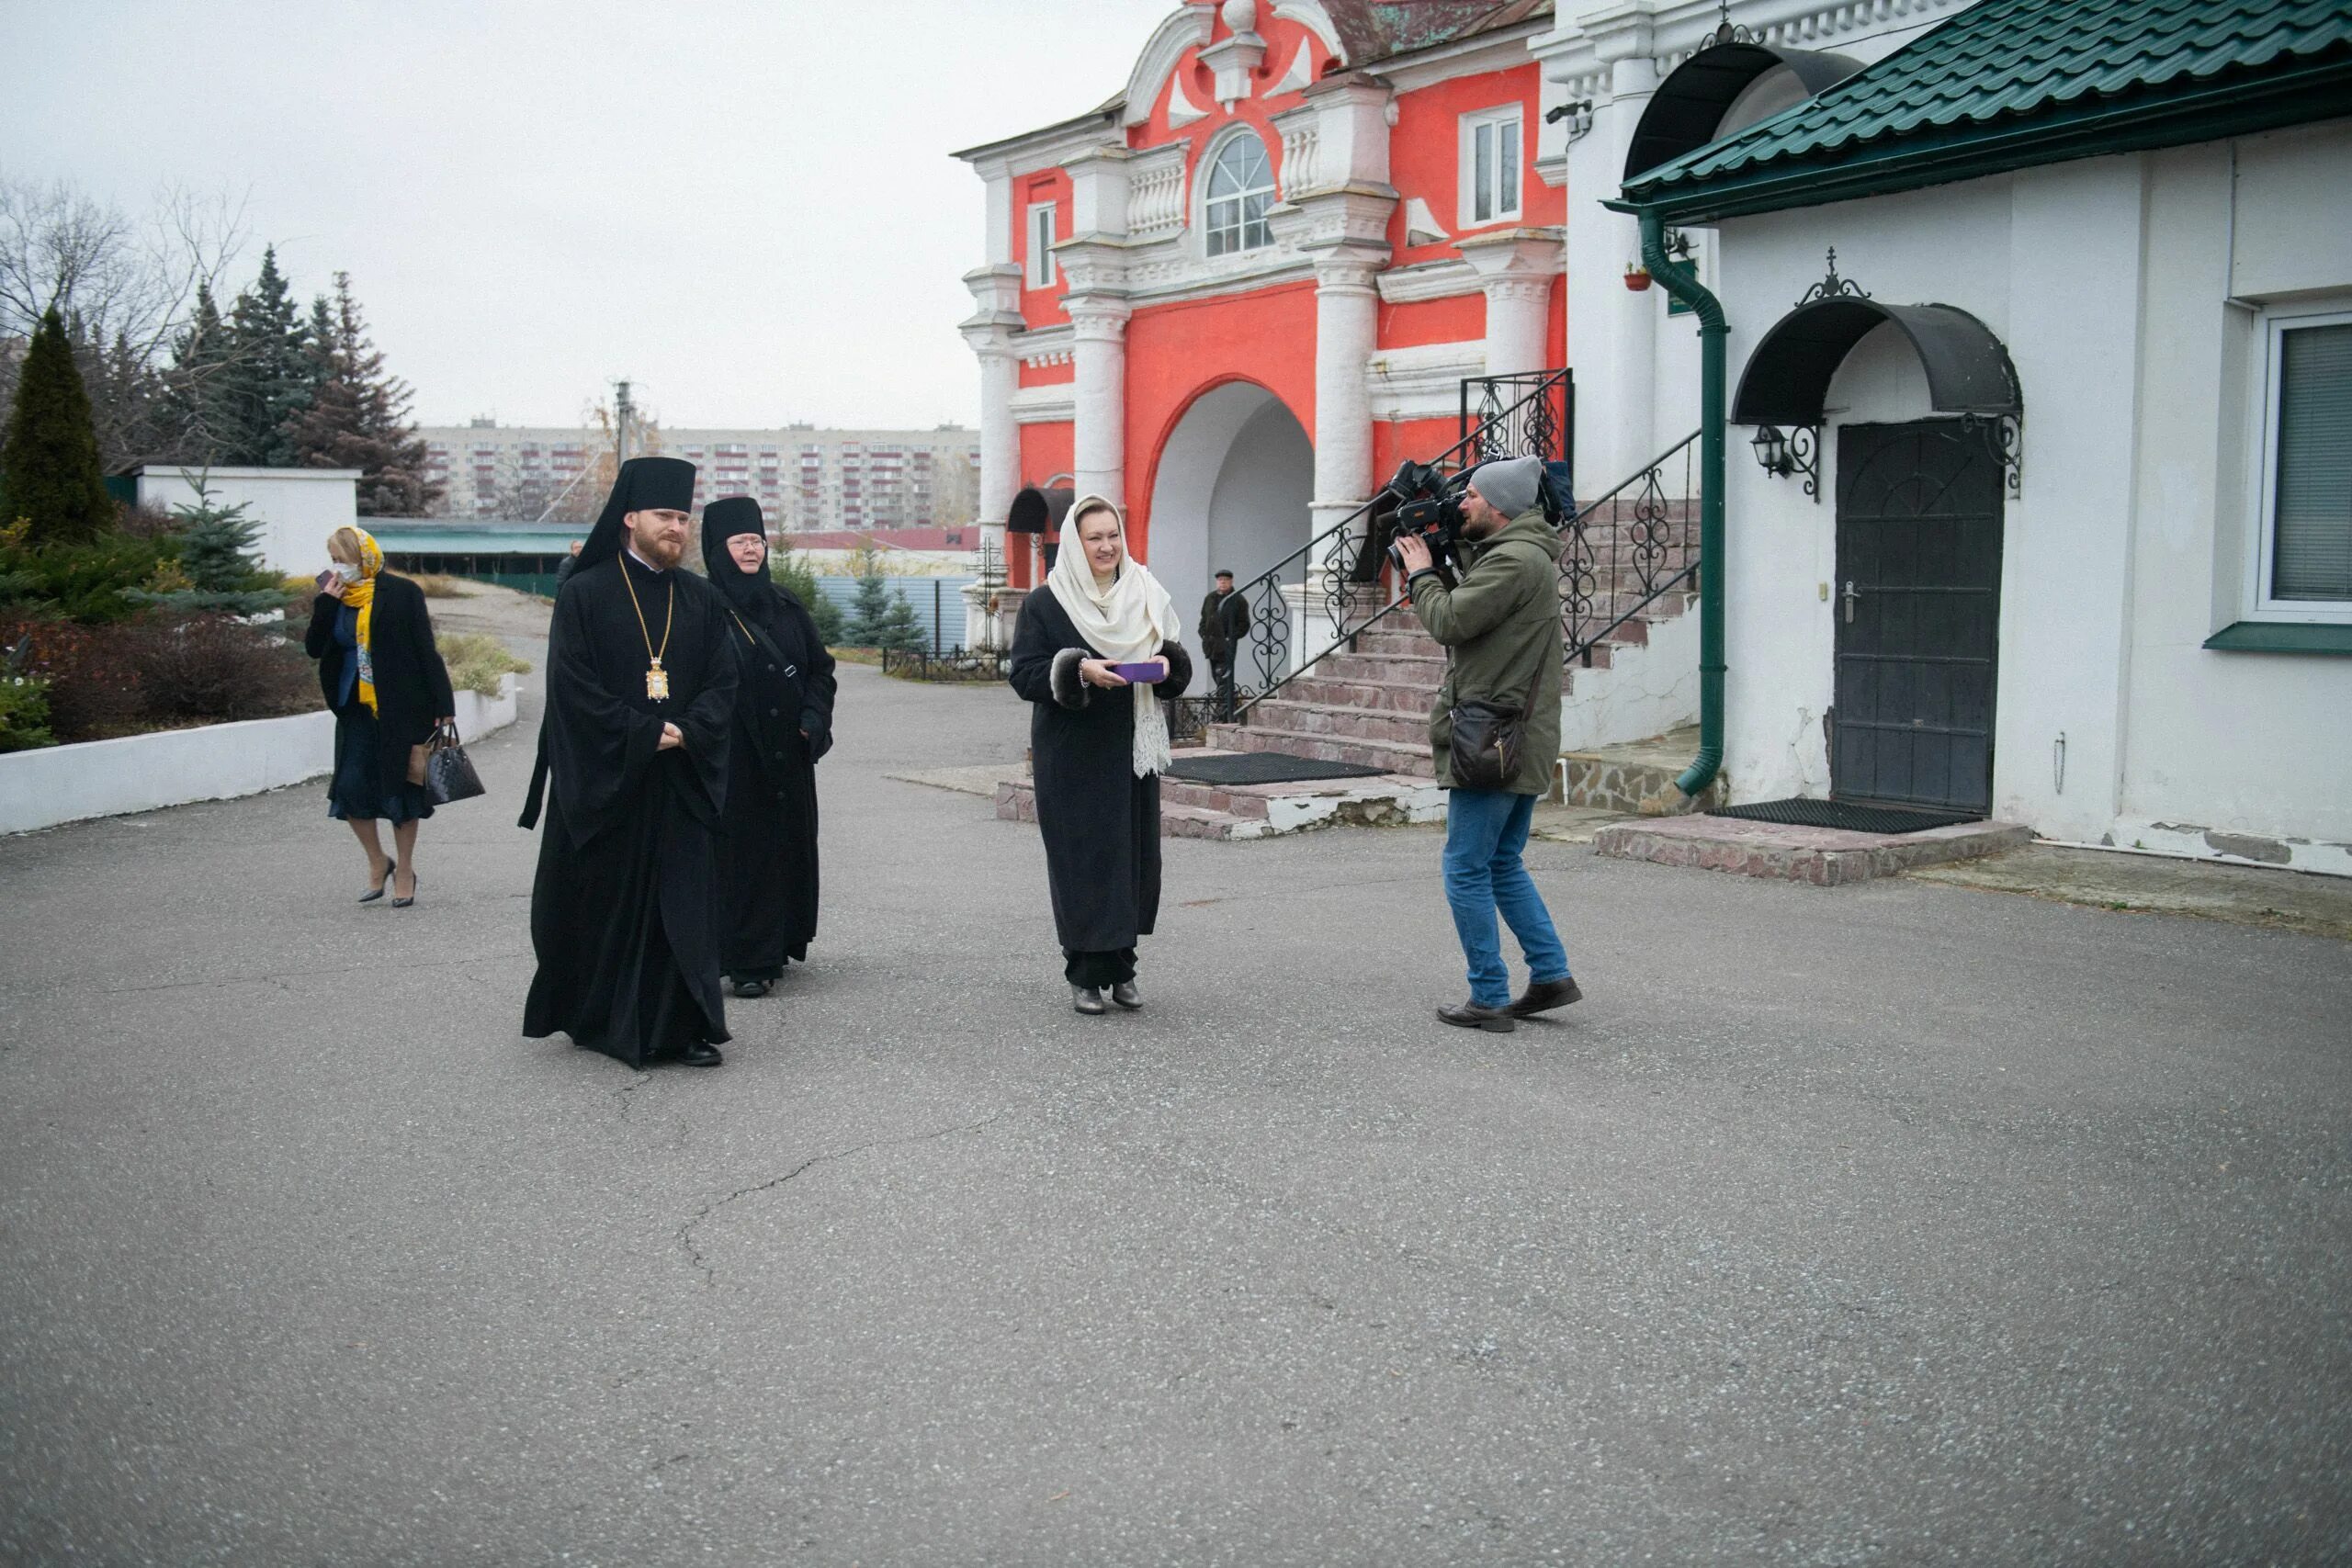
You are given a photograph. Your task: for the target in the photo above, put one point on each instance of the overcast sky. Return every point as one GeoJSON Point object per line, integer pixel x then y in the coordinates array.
{"type": "Point", "coordinates": [744, 206]}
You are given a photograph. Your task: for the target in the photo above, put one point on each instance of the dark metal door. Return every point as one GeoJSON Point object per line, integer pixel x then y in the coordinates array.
{"type": "Point", "coordinates": [1916, 603]}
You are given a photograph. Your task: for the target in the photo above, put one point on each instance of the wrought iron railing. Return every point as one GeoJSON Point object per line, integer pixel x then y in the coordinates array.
{"type": "Point", "coordinates": [1321, 596]}
{"type": "Point", "coordinates": [1624, 551]}
{"type": "Point", "coordinates": [1512, 416]}
{"type": "Point", "coordinates": [957, 663]}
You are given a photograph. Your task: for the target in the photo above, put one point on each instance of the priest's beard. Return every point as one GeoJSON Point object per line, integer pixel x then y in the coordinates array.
{"type": "Point", "coordinates": [658, 542]}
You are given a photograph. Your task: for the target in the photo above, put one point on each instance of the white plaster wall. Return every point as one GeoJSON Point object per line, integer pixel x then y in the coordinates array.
{"type": "Point", "coordinates": [142, 772]}
{"type": "Point", "coordinates": [2238, 744]}
{"type": "Point", "coordinates": [298, 508]}
{"type": "Point", "coordinates": [1647, 689]}
{"type": "Point", "coordinates": [2073, 330]}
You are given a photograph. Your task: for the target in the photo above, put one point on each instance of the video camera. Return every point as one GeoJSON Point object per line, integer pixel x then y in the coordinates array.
{"type": "Point", "coordinates": [1428, 504]}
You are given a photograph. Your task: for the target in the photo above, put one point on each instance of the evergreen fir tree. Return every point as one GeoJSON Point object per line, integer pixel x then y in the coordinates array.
{"type": "Point", "coordinates": [50, 471]}
{"type": "Point", "coordinates": [900, 629]}
{"type": "Point", "coordinates": [359, 414]}
{"type": "Point", "coordinates": [869, 611]}
{"type": "Point", "coordinates": [216, 557]}
{"type": "Point", "coordinates": [269, 378]}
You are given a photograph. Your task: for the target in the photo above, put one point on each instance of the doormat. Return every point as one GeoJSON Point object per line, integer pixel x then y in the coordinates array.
{"type": "Point", "coordinates": [1848, 815]}
{"type": "Point", "coordinates": [1264, 767]}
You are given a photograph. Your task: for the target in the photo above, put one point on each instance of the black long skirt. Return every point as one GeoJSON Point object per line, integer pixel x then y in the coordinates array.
{"type": "Point", "coordinates": [356, 790]}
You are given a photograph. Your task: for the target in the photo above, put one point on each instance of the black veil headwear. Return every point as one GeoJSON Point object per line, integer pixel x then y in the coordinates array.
{"type": "Point", "coordinates": [721, 521]}
{"type": "Point", "coordinates": [644, 484]}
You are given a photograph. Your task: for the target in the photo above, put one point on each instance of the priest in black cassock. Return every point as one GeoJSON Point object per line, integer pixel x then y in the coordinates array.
{"type": "Point", "coordinates": [1097, 743]}
{"type": "Point", "coordinates": [784, 723]}
{"type": "Point", "coordinates": [633, 759]}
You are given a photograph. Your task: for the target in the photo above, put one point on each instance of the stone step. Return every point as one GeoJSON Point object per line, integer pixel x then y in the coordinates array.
{"type": "Point", "coordinates": [1211, 797]}
{"type": "Point", "coordinates": [1825, 857]}
{"type": "Point", "coordinates": [1200, 822]}
{"type": "Point", "coordinates": [1638, 778]}
{"type": "Point", "coordinates": [1381, 641]}
{"type": "Point", "coordinates": [1400, 669]}
{"type": "Point", "coordinates": [1016, 801]}
{"type": "Point", "coordinates": [1386, 696]}
{"type": "Point", "coordinates": [1341, 723]}
{"type": "Point", "coordinates": [1191, 810]}
{"type": "Point", "coordinates": [1397, 757]}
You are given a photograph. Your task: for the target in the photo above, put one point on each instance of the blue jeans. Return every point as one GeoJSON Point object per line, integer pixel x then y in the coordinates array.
{"type": "Point", "coordinates": [1485, 832]}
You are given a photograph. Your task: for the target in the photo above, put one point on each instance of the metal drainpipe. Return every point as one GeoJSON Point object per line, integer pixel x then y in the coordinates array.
{"type": "Point", "coordinates": [1683, 284]}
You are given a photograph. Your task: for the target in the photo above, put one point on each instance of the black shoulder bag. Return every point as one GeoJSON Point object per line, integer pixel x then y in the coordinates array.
{"type": "Point", "coordinates": [1483, 750]}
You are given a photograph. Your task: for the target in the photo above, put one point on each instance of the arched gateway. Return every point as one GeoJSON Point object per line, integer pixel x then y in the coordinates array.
{"type": "Point", "coordinates": [1231, 491]}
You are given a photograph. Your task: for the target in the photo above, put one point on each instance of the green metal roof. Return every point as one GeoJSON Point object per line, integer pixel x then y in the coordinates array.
{"type": "Point", "coordinates": [435, 536]}
{"type": "Point", "coordinates": [2009, 83]}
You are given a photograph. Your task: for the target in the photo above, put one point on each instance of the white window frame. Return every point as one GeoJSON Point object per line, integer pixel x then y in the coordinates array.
{"type": "Point", "coordinates": [1041, 245]}
{"type": "Point", "coordinates": [1209, 156]}
{"type": "Point", "coordinates": [2261, 543]}
{"type": "Point", "coordinates": [1514, 117]}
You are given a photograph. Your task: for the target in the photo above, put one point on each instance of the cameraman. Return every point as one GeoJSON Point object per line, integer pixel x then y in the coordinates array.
{"type": "Point", "coordinates": [1500, 628]}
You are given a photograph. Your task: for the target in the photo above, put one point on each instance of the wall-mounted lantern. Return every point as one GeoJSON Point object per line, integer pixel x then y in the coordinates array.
{"type": "Point", "coordinates": [1797, 452]}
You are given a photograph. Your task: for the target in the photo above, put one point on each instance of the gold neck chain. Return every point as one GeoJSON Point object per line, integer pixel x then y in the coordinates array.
{"type": "Point", "coordinates": [657, 679]}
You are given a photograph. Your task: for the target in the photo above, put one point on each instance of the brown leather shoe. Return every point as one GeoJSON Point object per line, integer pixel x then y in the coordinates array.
{"type": "Point", "coordinates": [1542, 997]}
{"type": "Point", "coordinates": [1470, 1015]}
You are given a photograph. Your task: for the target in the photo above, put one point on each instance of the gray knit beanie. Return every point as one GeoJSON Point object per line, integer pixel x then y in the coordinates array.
{"type": "Point", "coordinates": [1509, 483]}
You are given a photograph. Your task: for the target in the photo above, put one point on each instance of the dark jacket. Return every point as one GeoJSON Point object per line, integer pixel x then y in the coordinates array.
{"type": "Point", "coordinates": [1224, 621]}
{"type": "Point", "coordinates": [1500, 628]}
{"type": "Point", "coordinates": [411, 683]}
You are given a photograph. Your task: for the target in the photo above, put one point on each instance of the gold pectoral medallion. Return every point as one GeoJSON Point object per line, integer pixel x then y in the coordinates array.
{"type": "Point", "coordinates": [657, 682]}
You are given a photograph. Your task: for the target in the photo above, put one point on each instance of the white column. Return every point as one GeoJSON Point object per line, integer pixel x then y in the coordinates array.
{"type": "Point", "coordinates": [997, 290]}
{"type": "Point", "coordinates": [1516, 267]}
{"type": "Point", "coordinates": [1347, 326]}
{"type": "Point", "coordinates": [1099, 432]}
{"type": "Point", "coordinates": [999, 437]}
{"type": "Point", "coordinates": [1519, 309]}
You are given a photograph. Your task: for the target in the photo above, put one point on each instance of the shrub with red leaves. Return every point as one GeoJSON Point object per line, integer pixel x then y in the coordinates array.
{"type": "Point", "coordinates": [93, 684]}
{"type": "Point", "coordinates": [209, 667]}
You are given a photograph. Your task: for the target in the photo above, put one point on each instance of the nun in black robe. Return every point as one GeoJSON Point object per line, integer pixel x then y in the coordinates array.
{"type": "Point", "coordinates": [622, 910]}
{"type": "Point", "coordinates": [784, 723]}
{"type": "Point", "coordinates": [1097, 781]}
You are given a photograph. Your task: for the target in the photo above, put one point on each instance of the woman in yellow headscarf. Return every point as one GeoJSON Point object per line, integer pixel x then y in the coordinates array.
{"type": "Point", "coordinates": [384, 680]}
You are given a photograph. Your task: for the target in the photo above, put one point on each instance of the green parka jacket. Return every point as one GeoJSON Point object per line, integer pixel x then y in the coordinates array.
{"type": "Point", "coordinates": [1500, 628]}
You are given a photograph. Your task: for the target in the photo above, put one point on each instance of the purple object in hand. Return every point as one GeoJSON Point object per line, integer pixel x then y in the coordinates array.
{"type": "Point", "coordinates": [1144, 674]}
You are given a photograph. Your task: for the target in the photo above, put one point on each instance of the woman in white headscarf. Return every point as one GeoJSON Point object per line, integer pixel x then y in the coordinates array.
{"type": "Point", "coordinates": [1098, 741]}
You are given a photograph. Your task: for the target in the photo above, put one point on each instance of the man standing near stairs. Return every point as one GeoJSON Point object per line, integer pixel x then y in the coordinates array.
{"type": "Point", "coordinates": [1500, 628]}
{"type": "Point", "coordinates": [1225, 621]}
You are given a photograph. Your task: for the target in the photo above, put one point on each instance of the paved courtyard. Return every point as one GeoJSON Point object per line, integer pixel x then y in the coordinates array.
{"type": "Point", "coordinates": [1901, 1224]}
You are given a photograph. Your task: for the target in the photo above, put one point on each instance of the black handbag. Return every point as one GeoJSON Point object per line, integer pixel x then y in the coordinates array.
{"type": "Point", "coordinates": [1483, 748]}
{"type": "Point", "coordinates": [448, 772]}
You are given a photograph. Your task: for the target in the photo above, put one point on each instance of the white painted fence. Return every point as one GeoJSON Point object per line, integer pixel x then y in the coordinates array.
{"type": "Point", "coordinates": [173, 767]}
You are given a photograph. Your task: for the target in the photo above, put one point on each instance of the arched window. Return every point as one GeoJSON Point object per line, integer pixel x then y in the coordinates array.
{"type": "Point", "coordinates": [1241, 186]}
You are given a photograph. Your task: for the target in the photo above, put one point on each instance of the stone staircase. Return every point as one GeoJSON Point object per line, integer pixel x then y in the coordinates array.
{"type": "Point", "coordinates": [1369, 702]}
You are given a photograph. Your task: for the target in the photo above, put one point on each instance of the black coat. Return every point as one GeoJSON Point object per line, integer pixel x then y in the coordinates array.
{"type": "Point", "coordinates": [411, 683]}
{"type": "Point", "coordinates": [1100, 822]}
{"type": "Point", "coordinates": [767, 861]}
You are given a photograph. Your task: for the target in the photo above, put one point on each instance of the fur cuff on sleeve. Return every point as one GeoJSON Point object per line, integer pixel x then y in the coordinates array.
{"type": "Point", "coordinates": [1180, 670]}
{"type": "Point", "coordinates": [1069, 690]}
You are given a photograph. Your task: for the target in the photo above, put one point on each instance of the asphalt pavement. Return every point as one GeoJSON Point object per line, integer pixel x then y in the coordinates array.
{"type": "Point", "coordinates": [1897, 1223]}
